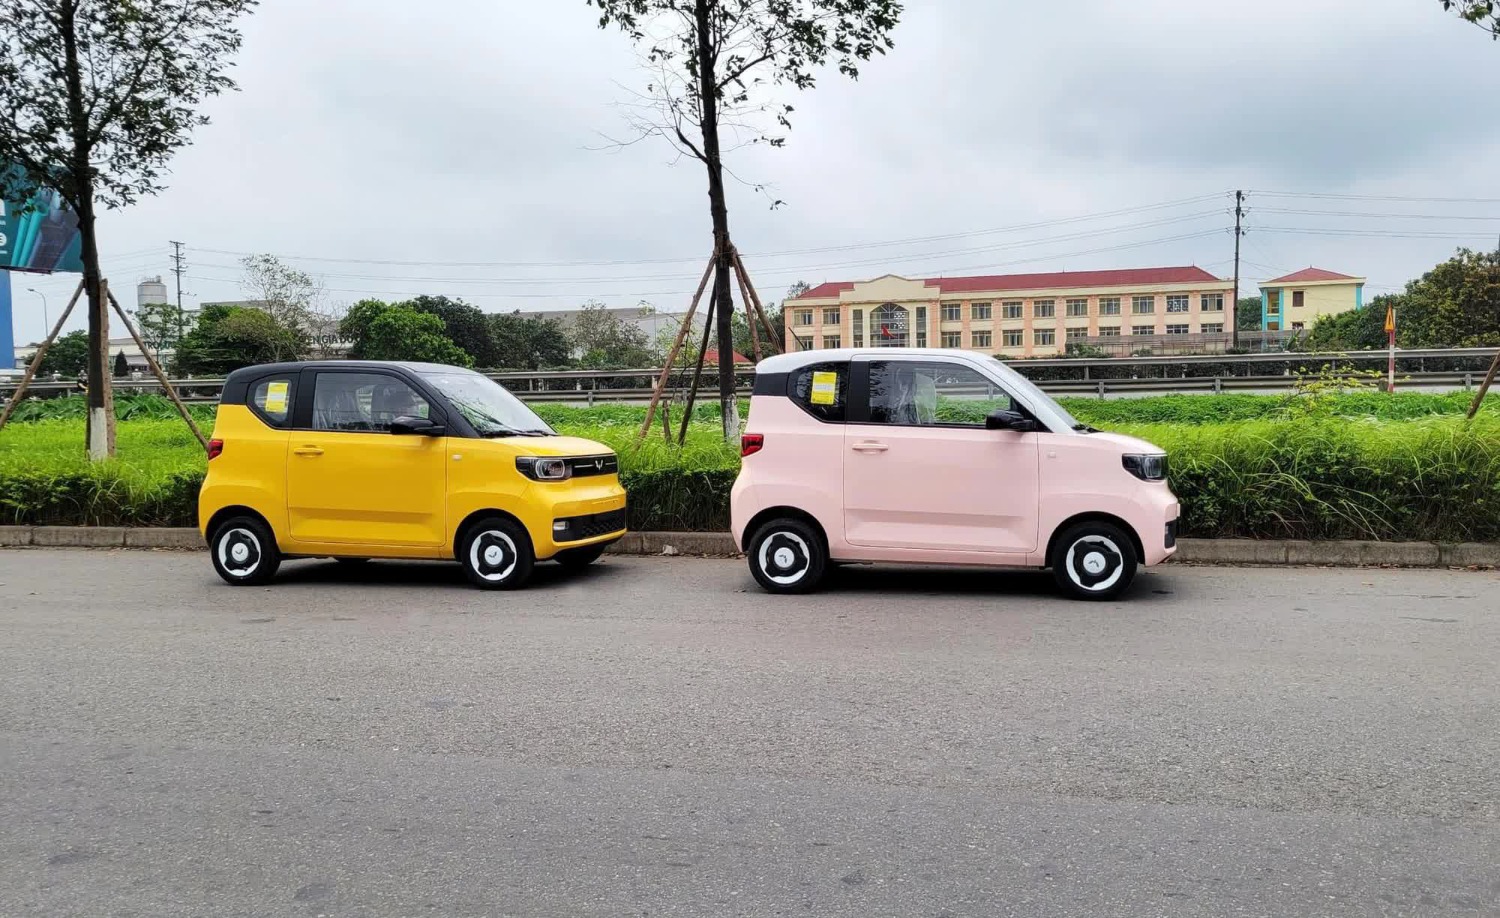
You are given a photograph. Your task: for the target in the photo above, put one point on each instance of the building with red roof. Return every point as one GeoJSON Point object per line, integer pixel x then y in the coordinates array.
{"type": "Point", "coordinates": [1295, 301]}
{"type": "Point", "coordinates": [1018, 315]}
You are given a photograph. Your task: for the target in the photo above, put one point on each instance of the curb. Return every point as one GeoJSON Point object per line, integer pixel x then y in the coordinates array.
{"type": "Point", "coordinates": [1240, 552]}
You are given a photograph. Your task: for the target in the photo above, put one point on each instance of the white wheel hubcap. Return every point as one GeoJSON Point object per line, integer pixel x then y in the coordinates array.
{"type": "Point", "coordinates": [1094, 563]}
{"type": "Point", "coordinates": [493, 555]}
{"type": "Point", "coordinates": [239, 552]}
{"type": "Point", "coordinates": [784, 557]}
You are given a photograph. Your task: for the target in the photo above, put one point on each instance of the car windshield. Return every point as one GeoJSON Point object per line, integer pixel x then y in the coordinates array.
{"type": "Point", "coordinates": [1029, 391]}
{"type": "Point", "coordinates": [486, 405]}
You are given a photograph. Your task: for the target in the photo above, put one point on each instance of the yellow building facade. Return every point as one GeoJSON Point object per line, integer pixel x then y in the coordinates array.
{"type": "Point", "coordinates": [1013, 315]}
{"type": "Point", "coordinates": [1299, 299]}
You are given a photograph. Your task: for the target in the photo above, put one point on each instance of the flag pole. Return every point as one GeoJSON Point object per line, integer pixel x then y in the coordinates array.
{"type": "Point", "coordinates": [1390, 328]}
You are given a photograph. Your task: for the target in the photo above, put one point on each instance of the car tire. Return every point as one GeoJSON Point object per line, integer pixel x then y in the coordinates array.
{"type": "Point", "coordinates": [1094, 560]}
{"type": "Point", "coordinates": [244, 552]}
{"type": "Point", "coordinates": [787, 556]}
{"type": "Point", "coordinates": [496, 554]}
{"type": "Point", "coordinates": [576, 559]}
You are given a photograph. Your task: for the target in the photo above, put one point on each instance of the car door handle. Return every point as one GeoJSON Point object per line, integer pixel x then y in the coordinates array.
{"type": "Point", "coordinates": [870, 446]}
{"type": "Point", "coordinates": [308, 451]}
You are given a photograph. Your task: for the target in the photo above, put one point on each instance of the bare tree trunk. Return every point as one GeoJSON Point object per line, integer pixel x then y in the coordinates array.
{"type": "Point", "coordinates": [719, 209]}
{"type": "Point", "coordinates": [100, 439]}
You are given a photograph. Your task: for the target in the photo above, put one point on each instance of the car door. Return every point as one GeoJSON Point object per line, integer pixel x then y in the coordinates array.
{"type": "Point", "coordinates": [921, 471]}
{"type": "Point", "coordinates": [349, 479]}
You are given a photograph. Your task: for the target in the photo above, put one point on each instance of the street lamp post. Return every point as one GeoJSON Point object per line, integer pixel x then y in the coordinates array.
{"type": "Point", "coordinates": [46, 319]}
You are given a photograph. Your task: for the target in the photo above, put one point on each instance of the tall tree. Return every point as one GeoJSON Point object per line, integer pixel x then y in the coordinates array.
{"type": "Point", "coordinates": [400, 332]}
{"type": "Point", "coordinates": [1483, 13]}
{"type": "Point", "coordinates": [229, 337]}
{"type": "Point", "coordinates": [68, 356]}
{"type": "Point", "coordinates": [609, 342]}
{"type": "Point", "coordinates": [719, 63]}
{"type": "Point", "coordinates": [281, 291]}
{"type": "Point", "coordinates": [465, 325]}
{"type": "Point", "coordinates": [95, 98]}
{"type": "Point", "coordinates": [160, 325]}
{"type": "Point", "coordinates": [1247, 313]}
{"type": "Point", "coordinates": [528, 343]}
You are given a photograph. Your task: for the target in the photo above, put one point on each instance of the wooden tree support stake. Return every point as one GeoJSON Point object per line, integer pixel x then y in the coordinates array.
{"type": "Point", "coordinates": [36, 360]}
{"type": "Point", "coordinates": [157, 371]}
{"type": "Point", "coordinates": [692, 392]}
{"type": "Point", "coordinates": [760, 308]}
{"type": "Point", "coordinates": [666, 371]}
{"type": "Point", "coordinates": [1484, 387]}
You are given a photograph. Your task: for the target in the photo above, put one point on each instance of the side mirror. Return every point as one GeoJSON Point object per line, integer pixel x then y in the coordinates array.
{"type": "Point", "coordinates": [1001, 419]}
{"type": "Point", "coordinates": [414, 426]}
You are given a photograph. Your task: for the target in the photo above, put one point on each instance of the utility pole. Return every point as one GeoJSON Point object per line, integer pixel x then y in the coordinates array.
{"type": "Point", "coordinates": [178, 266]}
{"type": "Point", "coordinates": [1239, 215]}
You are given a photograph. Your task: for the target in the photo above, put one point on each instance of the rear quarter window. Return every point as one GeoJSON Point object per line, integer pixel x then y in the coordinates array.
{"type": "Point", "coordinates": [822, 390]}
{"type": "Point", "coordinates": [271, 399]}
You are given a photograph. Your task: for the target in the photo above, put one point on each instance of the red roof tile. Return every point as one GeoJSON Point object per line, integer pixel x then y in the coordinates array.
{"type": "Point", "coordinates": [1124, 277]}
{"type": "Point", "coordinates": [712, 357]}
{"type": "Point", "coordinates": [1310, 274]}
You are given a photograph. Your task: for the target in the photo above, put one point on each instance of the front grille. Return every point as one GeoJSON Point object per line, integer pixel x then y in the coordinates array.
{"type": "Point", "coordinates": [594, 465]}
{"type": "Point", "coordinates": [589, 527]}
{"type": "Point", "coordinates": [1171, 533]}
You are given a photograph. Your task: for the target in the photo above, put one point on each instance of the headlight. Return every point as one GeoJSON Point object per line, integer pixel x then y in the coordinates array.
{"type": "Point", "coordinates": [543, 469]}
{"type": "Point", "coordinates": [1147, 467]}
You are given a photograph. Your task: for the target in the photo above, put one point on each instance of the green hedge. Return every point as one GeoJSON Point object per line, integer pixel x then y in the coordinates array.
{"type": "Point", "coordinates": [1431, 479]}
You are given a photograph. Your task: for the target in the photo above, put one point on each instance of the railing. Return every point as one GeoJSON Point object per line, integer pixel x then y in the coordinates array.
{"type": "Point", "coordinates": [1197, 373]}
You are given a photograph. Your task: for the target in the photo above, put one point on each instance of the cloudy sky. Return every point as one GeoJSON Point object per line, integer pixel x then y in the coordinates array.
{"type": "Point", "coordinates": [463, 147]}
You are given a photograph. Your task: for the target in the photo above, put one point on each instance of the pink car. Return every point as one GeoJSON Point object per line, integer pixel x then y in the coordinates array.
{"type": "Point", "coordinates": [914, 455]}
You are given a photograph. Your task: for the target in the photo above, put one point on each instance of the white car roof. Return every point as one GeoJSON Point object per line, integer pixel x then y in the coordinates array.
{"type": "Point", "coordinates": [795, 360]}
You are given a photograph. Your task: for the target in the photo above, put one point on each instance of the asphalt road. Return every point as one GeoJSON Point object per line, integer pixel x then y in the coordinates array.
{"type": "Point", "coordinates": [657, 738]}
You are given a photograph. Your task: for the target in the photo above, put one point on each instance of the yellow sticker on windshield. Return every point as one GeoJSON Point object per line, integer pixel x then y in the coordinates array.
{"type": "Point", "coordinates": [276, 398]}
{"type": "Point", "coordinates": [825, 388]}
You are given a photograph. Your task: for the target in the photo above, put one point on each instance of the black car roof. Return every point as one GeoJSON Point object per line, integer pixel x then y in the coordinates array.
{"type": "Point", "coordinates": [296, 365]}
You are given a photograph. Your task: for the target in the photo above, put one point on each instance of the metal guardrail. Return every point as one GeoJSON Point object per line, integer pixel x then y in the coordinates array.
{"type": "Point", "coordinates": [543, 386]}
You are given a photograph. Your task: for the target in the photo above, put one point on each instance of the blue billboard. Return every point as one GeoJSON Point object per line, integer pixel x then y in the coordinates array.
{"type": "Point", "coordinates": [40, 234]}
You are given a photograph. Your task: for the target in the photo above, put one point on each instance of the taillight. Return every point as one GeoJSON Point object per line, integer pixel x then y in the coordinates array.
{"type": "Point", "coordinates": [215, 447]}
{"type": "Point", "coordinates": [751, 443]}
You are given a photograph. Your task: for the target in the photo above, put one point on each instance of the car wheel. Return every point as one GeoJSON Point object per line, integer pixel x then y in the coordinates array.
{"type": "Point", "coordinates": [244, 552]}
{"type": "Point", "coordinates": [1094, 560]}
{"type": "Point", "coordinates": [496, 554]}
{"type": "Point", "coordinates": [787, 556]}
{"type": "Point", "coordinates": [574, 559]}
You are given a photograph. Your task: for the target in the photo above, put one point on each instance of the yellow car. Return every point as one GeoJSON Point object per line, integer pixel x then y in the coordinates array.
{"type": "Point", "coordinates": [356, 460]}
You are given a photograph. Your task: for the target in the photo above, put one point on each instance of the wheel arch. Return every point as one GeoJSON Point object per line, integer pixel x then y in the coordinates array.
{"type": "Point", "coordinates": [227, 513]}
{"type": "Point", "coordinates": [463, 528]}
{"type": "Point", "coordinates": [1096, 517]}
{"type": "Point", "coordinates": [765, 516]}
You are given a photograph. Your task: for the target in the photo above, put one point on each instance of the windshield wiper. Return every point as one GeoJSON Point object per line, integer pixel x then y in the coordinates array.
{"type": "Point", "coordinates": [1084, 428]}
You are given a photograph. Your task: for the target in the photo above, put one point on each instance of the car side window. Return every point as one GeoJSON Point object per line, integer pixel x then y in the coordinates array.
{"type": "Point", "coordinates": [364, 402]}
{"type": "Point", "coordinates": [929, 393]}
{"type": "Point", "coordinates": [272, 399]}
{"type": "Point", "coordinates": [822, 389]}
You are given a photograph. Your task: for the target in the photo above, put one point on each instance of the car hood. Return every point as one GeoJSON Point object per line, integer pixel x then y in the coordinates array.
{"type": "Point", "coordinates": [1127, 445]}
{"type": "Point", "coordinates": [558, 446]}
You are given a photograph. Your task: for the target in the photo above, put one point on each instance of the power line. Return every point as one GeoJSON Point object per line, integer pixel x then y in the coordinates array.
{"type": "Point", "coordinates": [1330, 196]}
{"type": "Point", "coordinates": [700, 258]}
{"type": "Point", "coordinates": [1351, 213]}
{"type": "Point", "coordinates": [1388, 234]}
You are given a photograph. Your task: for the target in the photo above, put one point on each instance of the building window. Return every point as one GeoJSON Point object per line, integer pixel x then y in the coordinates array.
{"type": "Point", "coordinates": [1011, 310]}
{"type": "Point", "coordinates": [1045, 337]}
{"type": "Point", "coordinates": [1076, 334]}
{"type": "Point", "coordinates": [1109, 306]}
{"type": "Point", "coordinates": [980, 339]}
{"type": "Point", "coordinates": [1109, 331]}
{"type": "Point", "coordinates": [1211, 302]}
{"type": "Point", "coordinates": [1213, 328]}
{"type": "Point", "coordinates": [952, 339]}
{"type": "Point", "coordinates": [1015, 338]}
{"type": "Point", "coordinates": [857, 317]}
{"type": "Point", "coordinates": [1143, 305]}
{"type": "Point", "coordinates": [830, 315]}
{"type": "Point", "coordinates": [1297, 299]}
{"type": "Point", "coordinates": [802, 317]}
{"type": "Point", "coordinates": [1044, 309]}
{"type": "Point", "coordinates": [1143, 329]}
{"type": "Point", "coordinates": [980, 311]}
{"type": "Point", "coordinates": [888, 326]}
{"type": "Point", "coordinates": [1177, 329]}
{"type": "Point", "coordinates": [952, 312]}
{"type": "Point", "coordinates": [1273, 303]}
{"type": "Point", "coordinates": [1078, 307]}
{"type": "Point", "coordinates": [804, 342]}
{"type": "Point", "coordinates": [921, 326]}
{"type": "Point", "coordinates": [1296, 326]}
{"type": "Point", "coordinates": [832, 341]}
{"type": "Point", "coordinates": [1177, 303]}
